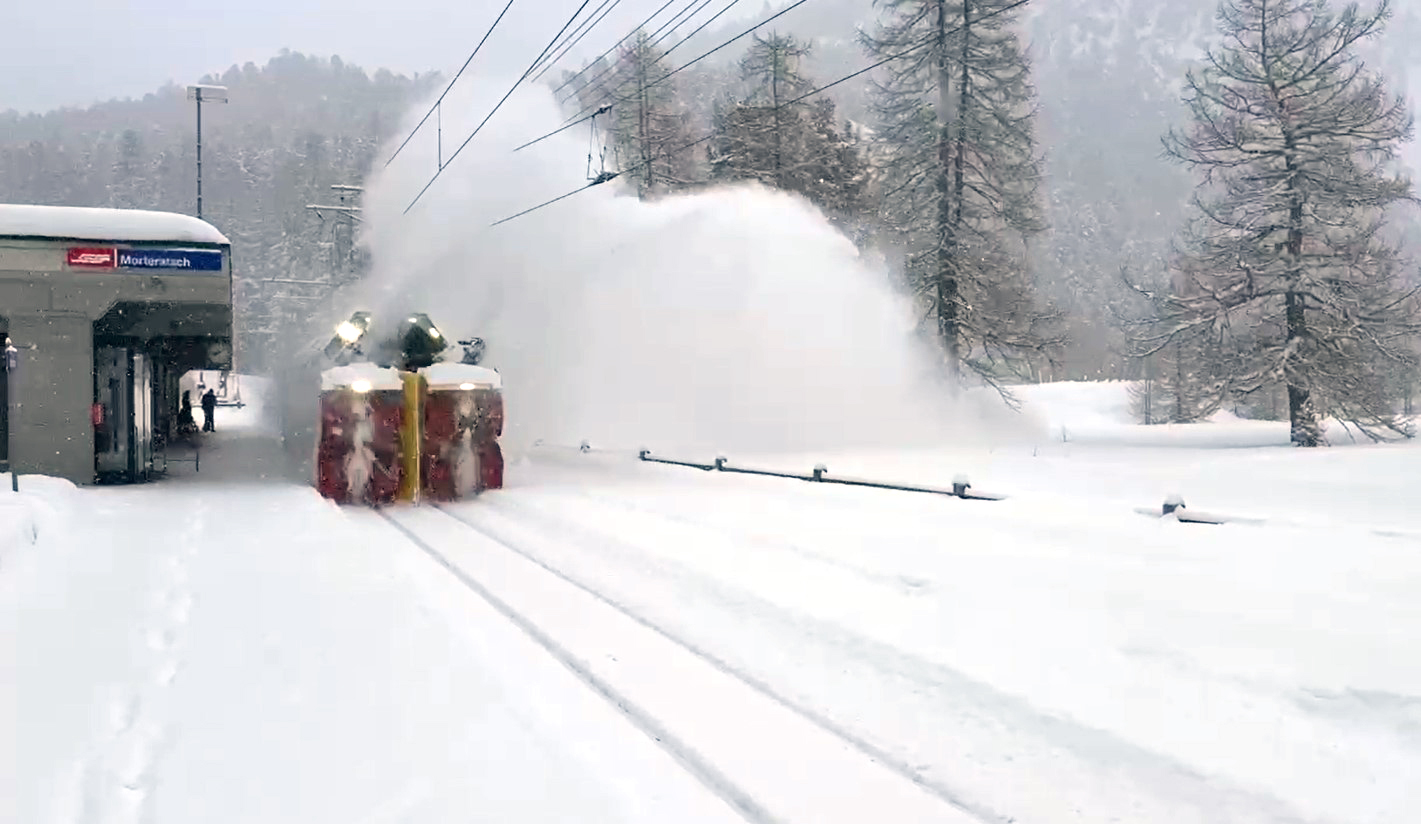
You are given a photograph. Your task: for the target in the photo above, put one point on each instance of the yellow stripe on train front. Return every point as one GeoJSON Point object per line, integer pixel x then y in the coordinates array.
{"type": "Point", "coordinates": [411, 426]}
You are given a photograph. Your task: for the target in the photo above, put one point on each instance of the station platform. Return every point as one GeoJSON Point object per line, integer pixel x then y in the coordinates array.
{"type": "Point", "coordinates": [229, 455]}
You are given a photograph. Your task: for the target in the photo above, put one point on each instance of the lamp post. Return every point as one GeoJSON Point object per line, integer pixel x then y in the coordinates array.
{"type": "Point", "coordinates": [203, 94]}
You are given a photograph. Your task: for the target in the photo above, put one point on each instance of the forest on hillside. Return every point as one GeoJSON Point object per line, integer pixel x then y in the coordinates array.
{"type": "Point", "coordinates": [292, 129]}
{"type": "Point", "coordinates": [1029, 171]}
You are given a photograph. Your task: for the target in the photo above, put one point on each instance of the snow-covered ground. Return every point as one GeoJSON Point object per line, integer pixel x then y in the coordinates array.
{"type": "Point", "coordinates": [610, 640]}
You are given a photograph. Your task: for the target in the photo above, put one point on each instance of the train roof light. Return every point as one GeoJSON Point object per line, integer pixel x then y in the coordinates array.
{"type": "Point", "coordinates": [418, 342]}
{"type": "Point", "coordinates": [349, 332]}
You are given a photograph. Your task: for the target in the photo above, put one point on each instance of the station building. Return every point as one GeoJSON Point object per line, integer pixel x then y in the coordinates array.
{"type": "Point", "coordinates": [104, 310]}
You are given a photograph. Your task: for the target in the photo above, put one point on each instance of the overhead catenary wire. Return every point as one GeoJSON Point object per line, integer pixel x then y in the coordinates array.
{"type": "Point", "coordinates": [500, 103]}
{"type": "Point", "coordinates": [610, 49]}
{"type": "Point", "coordinates": [433, 108]}
{"type": "Point", "coordinates": [560, 130]}
{"type": "Point", "coordinates": [600, 180]}
{"type": "Point", "coordinates": [608, 93]}
{"type": "Point", "coordinates": [598, 15]}
{"type": "Point", "coordinates": [582, 116]}
{"type": "Point", "coordinates": [708, 137]}
{"type": "Point", "coordinates": [892, 57]}
{"type": "Point", "coordinates": [611, 94]}
{"type": "Point", "coordinates": [766, 21]}
{"type": "Point", "coordinates": [690, 10]}
{"type": "Point", "coordinates": [585, 115]}
{"type": "Point", "coordinates": [568, 39]}
{"type": "Point", "coordinates": [656, 36]}
{"type": "Point", "coordinates": [694, 12]}
{"type": "Point", "coordinates": [698, 59]}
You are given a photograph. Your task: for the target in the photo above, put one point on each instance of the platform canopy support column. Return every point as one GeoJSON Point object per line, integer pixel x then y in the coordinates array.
{"type": "Point", "coordinates": [53, 393]}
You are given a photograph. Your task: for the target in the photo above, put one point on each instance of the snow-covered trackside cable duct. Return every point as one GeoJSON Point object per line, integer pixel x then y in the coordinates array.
{"type": "Point", "coordinates": [842, 745]}
{"type": "Point", "coordinates": [703, 771]}
{"type": "Point", "coordinates": [961, 487]}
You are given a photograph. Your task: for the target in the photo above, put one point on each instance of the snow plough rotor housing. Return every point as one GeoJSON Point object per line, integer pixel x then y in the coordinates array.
{"type": "Point", "coordinates": [399, 423]}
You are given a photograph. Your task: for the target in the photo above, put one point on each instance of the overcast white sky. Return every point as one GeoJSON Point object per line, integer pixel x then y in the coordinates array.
{"type": "Point", "coordinates": [78, 52]}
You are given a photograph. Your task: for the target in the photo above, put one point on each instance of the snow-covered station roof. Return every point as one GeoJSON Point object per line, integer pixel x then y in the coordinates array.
{"type": "Point", "coordinates": [84, 223]}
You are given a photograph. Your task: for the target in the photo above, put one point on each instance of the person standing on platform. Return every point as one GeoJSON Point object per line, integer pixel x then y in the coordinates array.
{"type": "Point", "coordinates": [186, 425]}
{"type": "Point", "coordinates": [209, 407]}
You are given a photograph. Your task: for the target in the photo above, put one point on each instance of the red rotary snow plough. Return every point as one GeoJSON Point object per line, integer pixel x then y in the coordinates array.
{"type": "Point", "coordinates": [398, 423]}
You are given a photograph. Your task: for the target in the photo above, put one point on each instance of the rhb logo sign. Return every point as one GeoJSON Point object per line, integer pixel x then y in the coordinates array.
{"type": "Point", "coordinates": [94, 258]}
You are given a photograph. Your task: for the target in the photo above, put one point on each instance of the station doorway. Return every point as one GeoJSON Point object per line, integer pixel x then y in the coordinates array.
{"type": "Point", "coordinates": [123, 414]}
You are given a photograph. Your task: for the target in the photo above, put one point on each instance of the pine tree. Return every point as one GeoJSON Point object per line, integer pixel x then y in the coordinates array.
{"type": "Point", "coordinates": [793, 145]}
{"type": "Point", "coordinates": [1284, 264]}
{"type": "Point", "coordinates": [962, 174]}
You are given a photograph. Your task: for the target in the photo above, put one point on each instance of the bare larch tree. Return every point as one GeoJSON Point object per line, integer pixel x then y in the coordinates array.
{"type": "Point", "coordinates": [1284, 274]}
{"type": "Point", "coordinates": [649, 122]}
{"type": "Point", "coordinates": [777, 135]}
{"type": "Point", "coordinates": [962, 174]}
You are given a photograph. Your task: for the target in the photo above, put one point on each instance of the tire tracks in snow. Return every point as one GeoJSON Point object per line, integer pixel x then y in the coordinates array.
{"type": "Point", "coordinates": [1159, 781]}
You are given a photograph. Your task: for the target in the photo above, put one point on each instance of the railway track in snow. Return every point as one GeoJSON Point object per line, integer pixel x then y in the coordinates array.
{"type": "Point", "coordinates": [966, 738]}
{"type": "Point", "coordinates": [775, 762]}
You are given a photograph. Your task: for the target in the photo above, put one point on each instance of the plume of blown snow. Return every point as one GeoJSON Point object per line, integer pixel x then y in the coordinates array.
{"type": "Point", "coordinates": [733, 318]}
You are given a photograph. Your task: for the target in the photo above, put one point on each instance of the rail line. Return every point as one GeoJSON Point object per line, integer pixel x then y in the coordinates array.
{"type": "Point", "coordinates": [703, 771]}
{"type": "Point", "coordinates": [956, 809]}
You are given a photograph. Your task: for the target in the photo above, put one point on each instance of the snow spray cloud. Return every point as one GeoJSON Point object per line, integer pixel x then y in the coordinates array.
{"type": "Point", "coordinates": [733, 318]}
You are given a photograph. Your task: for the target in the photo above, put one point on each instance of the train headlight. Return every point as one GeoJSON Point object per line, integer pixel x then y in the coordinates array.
{"type": "Point", "coordinates": [466, 386]}
{"type": "Point", "coordinates": [362, 386]}
{"type": "Point", "coordinates": [349, 332]}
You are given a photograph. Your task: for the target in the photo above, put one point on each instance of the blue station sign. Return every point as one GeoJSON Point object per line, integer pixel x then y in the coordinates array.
{"type": "Point", "coordinates": [192, 260]}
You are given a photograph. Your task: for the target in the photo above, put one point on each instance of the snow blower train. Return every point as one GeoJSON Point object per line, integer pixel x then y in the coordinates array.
{"type": "Point", "coordinates": [399, 423]}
